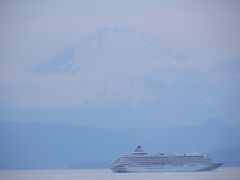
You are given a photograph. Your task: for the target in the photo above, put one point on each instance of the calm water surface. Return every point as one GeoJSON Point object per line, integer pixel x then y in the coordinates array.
{"type": "Point", "coordinates": [104, 174]}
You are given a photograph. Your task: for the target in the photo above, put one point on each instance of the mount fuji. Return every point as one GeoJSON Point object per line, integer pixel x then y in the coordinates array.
{"type": "Point", "coordinates": [118, 50]}
{"type": "Point", "coordinates": [111, 65]}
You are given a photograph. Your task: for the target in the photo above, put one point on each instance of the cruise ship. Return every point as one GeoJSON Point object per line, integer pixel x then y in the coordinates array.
{"type": "Point", "coordinates": [139, 161]}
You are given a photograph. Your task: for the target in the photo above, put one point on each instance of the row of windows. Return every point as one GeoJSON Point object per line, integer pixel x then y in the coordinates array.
{"type": "Point", "coordinates": [165, 160]}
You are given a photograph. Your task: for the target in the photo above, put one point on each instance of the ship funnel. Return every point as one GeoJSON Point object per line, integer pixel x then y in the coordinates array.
{"type": "Point", "coordinates": [139, 149]}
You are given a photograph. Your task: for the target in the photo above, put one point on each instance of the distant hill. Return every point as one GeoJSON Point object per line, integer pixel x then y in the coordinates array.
{"type": "Point", "coordinates": [39, 145]}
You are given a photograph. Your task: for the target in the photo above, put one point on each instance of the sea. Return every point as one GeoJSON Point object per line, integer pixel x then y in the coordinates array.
{"type": "Point", "coordinates": [223, 173]}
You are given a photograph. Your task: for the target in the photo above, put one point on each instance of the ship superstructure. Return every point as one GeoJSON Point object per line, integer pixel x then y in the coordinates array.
{"type": "Point", "coordinates": [139, 161]}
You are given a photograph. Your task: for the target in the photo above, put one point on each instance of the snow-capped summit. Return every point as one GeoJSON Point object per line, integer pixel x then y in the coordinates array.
{"type": "Point", "coordinates": [111, 65]}
{"type": "Point", "coordinates": [111, 48]}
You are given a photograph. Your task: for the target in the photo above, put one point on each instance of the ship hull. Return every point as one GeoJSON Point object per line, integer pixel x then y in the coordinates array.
{"type": "Point", "coordinates": [170, 168]}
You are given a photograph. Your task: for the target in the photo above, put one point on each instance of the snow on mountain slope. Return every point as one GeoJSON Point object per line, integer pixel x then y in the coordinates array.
{"type": "Point", "coordinates": [112, 65]}
{"type": "Point", "coordinates": [111, 48]}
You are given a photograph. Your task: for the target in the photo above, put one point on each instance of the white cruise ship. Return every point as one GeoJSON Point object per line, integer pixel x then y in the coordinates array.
{"type": "Point", "coordinates": [139, 161]}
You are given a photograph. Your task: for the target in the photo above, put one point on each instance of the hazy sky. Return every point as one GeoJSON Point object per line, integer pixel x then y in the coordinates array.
{"type": "Point", "coordinates": [32, 31]}
{"type": "Point", "coordinates": [207, 32]}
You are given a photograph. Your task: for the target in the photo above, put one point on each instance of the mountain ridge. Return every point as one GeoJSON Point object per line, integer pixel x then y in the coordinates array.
{"type": "Point", "coordinates": [39, 145]}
